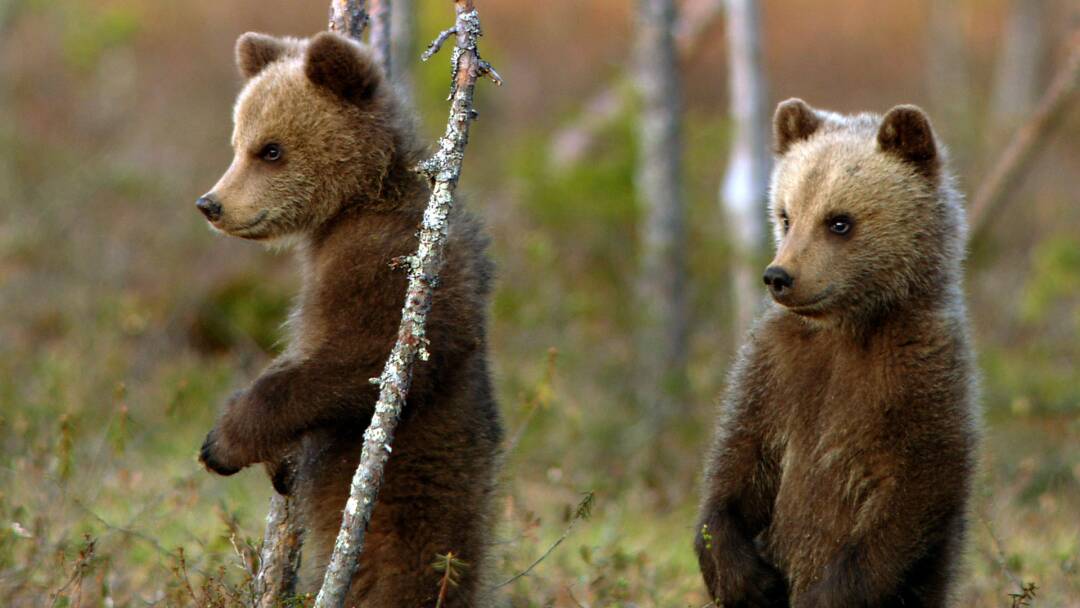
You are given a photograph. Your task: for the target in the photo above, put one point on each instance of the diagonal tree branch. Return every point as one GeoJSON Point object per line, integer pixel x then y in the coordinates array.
{"type": "Point", "coordinates": [444, 169]}
{"type": "Point", "coordinates": [1013, 163]}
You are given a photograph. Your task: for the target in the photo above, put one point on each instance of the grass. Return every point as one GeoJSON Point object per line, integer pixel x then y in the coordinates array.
{"type": "Point", "coordinates": [125, 325]}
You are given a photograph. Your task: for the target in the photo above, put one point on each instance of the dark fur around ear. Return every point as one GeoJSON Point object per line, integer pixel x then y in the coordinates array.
{"type": "Point", "coordinates": [342, 66]}
{"type": "Point", "coordinates": [906, 132]}
{"type": "Point", "coordinates": [256, 51]}
{"type": "Point", "coordinates": [793, 121]}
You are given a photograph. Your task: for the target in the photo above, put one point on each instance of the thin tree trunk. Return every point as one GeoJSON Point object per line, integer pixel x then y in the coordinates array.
{"type": "Point", "coordinates": [444, 169]}
{"type": "Point", "coordinates": [379, 36]}
{"type": "Point", "coordinates": [281, 550]}
{"type": "Point", "coordinates": [279, 558]}
{"type": "Point", "coordinates": [570, 144]}
{"type": "Point", "coordinates": [662, 281]}
{"type": "Point", "coordinates": [743, 194]}
{"type": "Point", "coordinates": [1014, 161]}
{"type": "Point", "coordinates": [352, 17]}
{"type": "Point", "coordinates": [403, 46]}
{"type": "Point", "coordinates": [349, 17]}
{"type": "Point", "coordinates": [1018, 75]}
{"type": "Point", "coordinates": [948, 73]}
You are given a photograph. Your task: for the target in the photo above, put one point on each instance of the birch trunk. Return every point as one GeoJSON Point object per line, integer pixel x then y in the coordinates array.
{"type": "Point", "coordinates": [379, 34]}
{"type": "Point", "coordinates": [1011, 166]}
{"type": "Point", "coordinates": [444, 169]}
{"type": "Point", "coordinates": [744, 191]}
{"type": "Point", "coordinates": [570, 144]}
{"type": "Point", "coordinates": [662, 278]}
{"type": "Point", "coordinates": [403, 46]}
{"type": "Point", "coordinates": [1018, 72]}
{"type": "Point", "coordinates": [948, 74]}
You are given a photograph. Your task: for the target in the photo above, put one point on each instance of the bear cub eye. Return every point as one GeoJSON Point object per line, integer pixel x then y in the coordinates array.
{"type": "Point", "coordinates": [785, 222]}
{"type": "Point", "coordinates": [270, 153]}
{"type": "Point", "coordinates": [840, 224]}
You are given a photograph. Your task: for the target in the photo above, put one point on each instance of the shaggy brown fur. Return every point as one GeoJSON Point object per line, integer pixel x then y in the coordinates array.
{"type": "Point", "coordinates": [840, 471]}
{"type": "Point", "coordinates": [323, 157]}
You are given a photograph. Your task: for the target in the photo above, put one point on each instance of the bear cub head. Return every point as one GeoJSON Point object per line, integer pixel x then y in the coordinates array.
{"type": "Point", "coordinates": [314, 131]}
{"type": "Point", "coordinates": [864, 214]}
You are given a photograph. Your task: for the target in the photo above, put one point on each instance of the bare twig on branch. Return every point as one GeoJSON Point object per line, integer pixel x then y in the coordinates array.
{"type": "Point", "coordinates": [1013, 163]}
{"type": "Point", "coordinates": [583, 511]}
{"type": "Point", "coordinates": [571, 143]}
{"type": "Point", "coordinates": [444, 170]}
{"type": "Point", "coordinates": [279, 558]}
{"type": "Point", "coordinates": [743, 193]}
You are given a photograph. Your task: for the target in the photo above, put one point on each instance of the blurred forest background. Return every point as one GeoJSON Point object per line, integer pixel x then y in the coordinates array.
{"type": "Point", "coordinates": [124, 322]}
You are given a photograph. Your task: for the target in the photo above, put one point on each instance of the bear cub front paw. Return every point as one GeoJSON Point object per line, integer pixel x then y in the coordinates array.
{"type": "Point", "coordinates": [215, 455]}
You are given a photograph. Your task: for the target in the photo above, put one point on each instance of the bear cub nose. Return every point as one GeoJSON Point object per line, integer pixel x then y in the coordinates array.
{"type": "Point", "coordinates": [778, 280]}
{"type": "Point", "coordinates": [209, 207]}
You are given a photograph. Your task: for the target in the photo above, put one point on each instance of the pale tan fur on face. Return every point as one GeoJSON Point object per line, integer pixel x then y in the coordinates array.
{"type": "Point", "coordinates": [321, 168]}
{"type": "Point", "coordinates": [902, 231]}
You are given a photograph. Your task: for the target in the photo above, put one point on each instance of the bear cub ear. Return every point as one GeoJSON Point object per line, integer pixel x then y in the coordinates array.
{"type": "Point", "coordinates": [906, 133]}
{"type": "Point", "coordinates": [342, 67]}
{"type": "Point", "coordinates": [793, 122]}
{"type": "Point", "coordinates": [256, 51]}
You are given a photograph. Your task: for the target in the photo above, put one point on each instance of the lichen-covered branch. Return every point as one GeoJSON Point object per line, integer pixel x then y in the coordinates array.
{"type": "Point", "coordinates": [444, 169]}
{"type": "Point", "coordinates": [279, 558]}
{"type": "Point", "coordinates": [1010, 167]}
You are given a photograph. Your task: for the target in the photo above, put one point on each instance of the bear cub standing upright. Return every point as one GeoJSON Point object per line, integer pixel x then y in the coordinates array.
{"type": "Point", "coordinates": [324, 157]}
{"type": "Point", "coordinates": [841, 468]}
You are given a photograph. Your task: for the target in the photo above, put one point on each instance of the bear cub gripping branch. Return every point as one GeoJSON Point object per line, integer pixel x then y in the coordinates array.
{"type": "Point", "coordinates": [325, 157]}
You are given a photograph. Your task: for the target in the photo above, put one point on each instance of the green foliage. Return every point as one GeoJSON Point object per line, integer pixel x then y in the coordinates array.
{"type": "Point", "coordinates": [239, 311]}
{"type": "Point", "coordinates": [91, 30]}
{"type": "Point", "coordinates": [1054, 286]}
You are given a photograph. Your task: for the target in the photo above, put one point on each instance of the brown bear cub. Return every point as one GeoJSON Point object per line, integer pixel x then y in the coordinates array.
{"type": "Point", "coordinates": [324, 158]}
{"type": "Point", "coordinates": [841, 467]}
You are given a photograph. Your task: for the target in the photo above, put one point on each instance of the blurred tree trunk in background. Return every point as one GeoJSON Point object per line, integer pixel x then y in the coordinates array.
{"type": "Point", "coordinates": [403, 46]}
{"type": "Point", "coordinates": [948, 74]}
{"type": "Point", "coordinates": [379, 34]}
{"type": "Point", "coordinates": [661, 285]}
{"type": "Point", "coordinates": [1018, 77]}
{"type": "Point", "coordinates": [572, 142]}
{"type": "Point", "coordinates": [743, 195]}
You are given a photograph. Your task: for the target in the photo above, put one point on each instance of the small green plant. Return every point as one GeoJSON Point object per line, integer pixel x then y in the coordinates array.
{"type": "Point", "coordinates": [452, 568]}
{"type": "Point", "coordinates": [1027, 593]}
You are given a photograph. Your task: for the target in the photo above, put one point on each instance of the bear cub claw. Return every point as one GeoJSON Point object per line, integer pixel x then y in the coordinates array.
{"type": "Point", "coordinates": [210, 455]}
